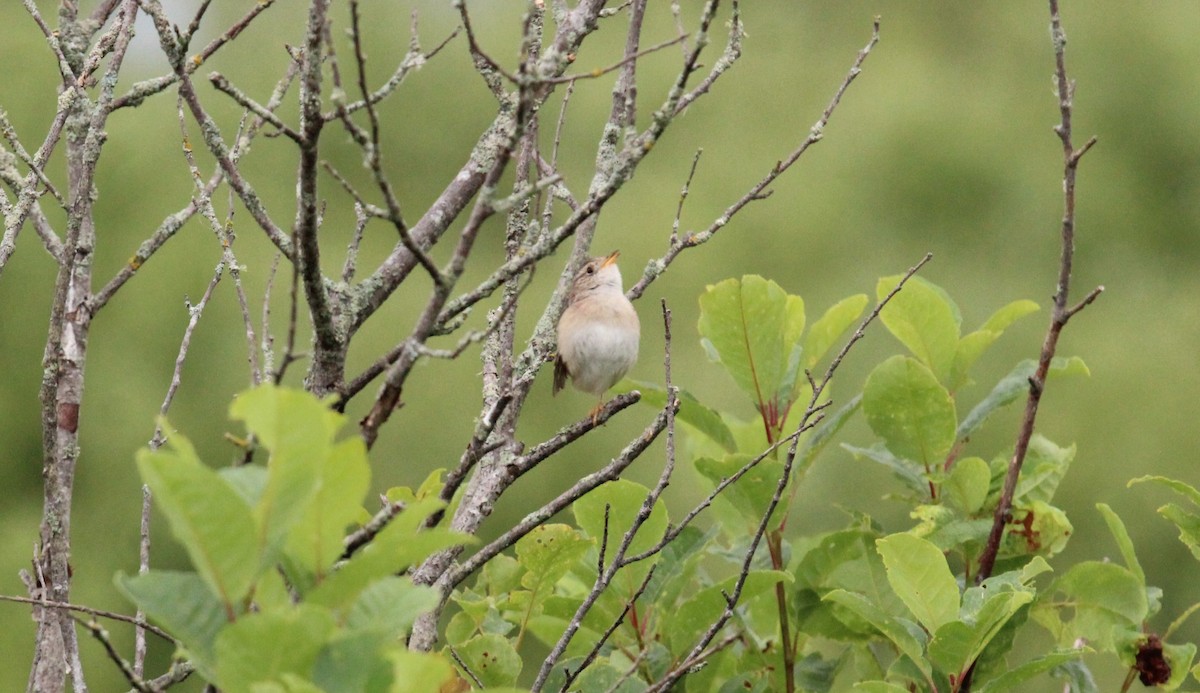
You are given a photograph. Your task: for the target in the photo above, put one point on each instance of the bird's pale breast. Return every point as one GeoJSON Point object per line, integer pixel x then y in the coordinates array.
{"type": "Point", "coordinates": [599, 345]}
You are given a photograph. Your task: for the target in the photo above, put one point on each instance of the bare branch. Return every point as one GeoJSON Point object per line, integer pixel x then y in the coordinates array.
{"type": "Point", "coordinates": [413, 60]}
{"type": "Point", "coordinates": [601, 71]}
{"type": "Point", "coordinates": [678, 244]}
{"type": "Point", "coordinates": [363, 535]}
{"type": "Point", "coordinates": [573, 432]}
{"type": "Point", "coordinates": [102, 635]}
{"type": "Point", "coordinates": [139, 631]}
{"type": "Point", "coordinates": [610, 471]}
{"type": "Point", "coordinates": [630, 604]}
{"type": "Point", "coordinates": [574, 26]}
{"type": "Point", "coordinates": [194, 313]}
{"type": "Point", "coordinates": [142, 90]}
{"type": "Point", "coordinates": [463, 665]}
{"type": "Point", "coordinates": [224, 86]}
{"type": "Point", "coordinates": [211, 132]}
{"type": "Point", "coordinates": [47, 604]}
{"type": "Point", "coordinates": [1061, 313]}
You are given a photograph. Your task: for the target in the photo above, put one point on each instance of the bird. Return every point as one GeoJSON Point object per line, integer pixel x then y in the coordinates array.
{"type": "Point", "coordinates": [598, 332]}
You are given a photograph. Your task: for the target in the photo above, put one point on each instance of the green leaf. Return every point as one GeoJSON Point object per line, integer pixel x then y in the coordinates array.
{"type": "Point", "coordinates": [298, 429]}
{"type": "Point", "coordinates": [752, 326]}
{"type": "Point", "coordinates": [1015, 678]}
{"type": "Point", "coordinates": [907, 407]}
{"type": "Point", "coordinates": [1180, 658]}
{"type": "Point", "coordinates": [206, 515]}
{"type": "Point", "coordinates": [288, 421]}
{"type": "Point", "coordinates": [957, 644]}
{"type": "Point", "coordinates": [1045, 466]}
{"type": "Point", "coordinates": [625, 499]}
{"type": "Point", "coordinates": [548, 553]}
{"type": "Point", "coordinates": [816, 674]}
{"type": "Point", "coordinates": [1188, 524]}
{"type": "Point", "coordinates": [1078, 675]}
{"type": "Point", "coordinates": [972, 346]}
{"type": "Point", "coordinates": [703, 420]}
{"type": "Point", "coordinates": [601, 675]}
{"type": "Point", "coordinates": [695, 615]}
{"type": "Point", "coordinates": [183, 605]}
{"type": "Point", "coordinates": [918, 573]}
{"type": "Point", "coordinates": [1124, 543]}
{"type": "Point", "coordinates": [830, 326]}
{"type": "Point", "coordinates": [421, 672]}
{"type": "Point", "coordinates": [399, 545]}
{"type": "Point", "coordinates": [815, 442]}
{"type": "Point", "coordinates": [315, 539]}
{"type": "Point", "coordinates": [500, 575]}
{"type": "Point", "coordinates": [1012, 386]}
{"type": "Point", "coordinates": [907, 470]}
{"type": "Point", "coordinates": [905, 635]}
{"type": "Point", "coordinates": [1186, 521]}
{"type": "Point", "coordinates": [492, 658]}
{"type": "Point", "coordinates": [1001, 319]}
{"type": "Point", "coordinates": [1036, 528]}
{"type": "Point", "coordinates": [356, 662]}
{"type": "Point", "coordinates": [753, 491]}
{"type": "Point", "coordinates": [1105, 602]}
{"type": "Point", "coordinates": [264, 646]}
{"type": "Point", "coordinates": [846, 559]}
{"type": "Point", "coordinates": [878, 687]}
{"type": "Point", "coordinates": [1186, 490]}
{"type": "Point", "coordinates": [924, 319]}
{"type": "Point", "coordinates": [948, 529]}
{"type": "Point", "coordinates": [967, 486]}
{"type": "Point", "coordinates": [390, 605]}
{"type": "Point", "coordinates": [248, 480]}
{"type": "Point", "coordinates": [677, 566]}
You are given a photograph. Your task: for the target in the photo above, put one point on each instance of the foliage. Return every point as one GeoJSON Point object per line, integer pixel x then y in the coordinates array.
{"type": "Point", "coordinates": [273, 604]}
{"type": "Point", "coordinates": [859, 606]}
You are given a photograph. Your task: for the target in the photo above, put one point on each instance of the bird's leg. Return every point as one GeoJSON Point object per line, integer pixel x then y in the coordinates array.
{"type": "Point", "coordinates": [596, 409]}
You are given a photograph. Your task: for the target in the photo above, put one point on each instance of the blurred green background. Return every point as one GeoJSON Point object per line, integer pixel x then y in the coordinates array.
{"type": "Point", "coordinates": [943, 144]}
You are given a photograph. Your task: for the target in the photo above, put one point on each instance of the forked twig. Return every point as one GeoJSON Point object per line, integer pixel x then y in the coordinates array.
{"type": "Point", "coordinates": [1061, 313]}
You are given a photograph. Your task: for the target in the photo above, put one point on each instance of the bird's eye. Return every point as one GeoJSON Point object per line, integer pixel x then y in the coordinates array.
{"type": "Point", "coordinates": [590, 269]}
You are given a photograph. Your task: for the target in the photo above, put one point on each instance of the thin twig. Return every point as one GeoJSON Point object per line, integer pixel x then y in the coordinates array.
{"type": "Point", "coordinates": [463, 665]}
{"type": "Point", "coordinates": [179, 671]}
{"type": "Point", "coordinates": [139, 631]}
{"type": "Point", "coordinates": [211, 131]}
{"type": "Point", "coordinates": [1060, 313]}
{"type": "Point", "coordinates": [535, 519]}
{"type": "Point", "coordinates": [601, 71]}
{"type": "Point", "coordinates": [475, 448]}
{"type": "Point", "coordinates": [608, 182]}
{"type": "Point", "coordinates": [571, 433]}
{"type": "Point", "coordinates": [142, 90]}
{"type": "Point", "coordinates": [194, 313]}
{"type": "Point", "coordinates": [100, 634]}
{"type": "Point", "coordinates": [224, 86]}
{"type": "Point", "coordinates": [47, 604]}
{"type": "Point", "coordinates": [363, 535]}
{"type": "Point", "coordinates": [590, 657]}
{"type": "Point", "coordinates": [758, 191]}
{"type": "Point", "coordinates": [407, 65]}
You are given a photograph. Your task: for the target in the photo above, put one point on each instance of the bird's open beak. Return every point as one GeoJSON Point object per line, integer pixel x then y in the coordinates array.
{"type": "Point", "coordinates": [611, 259]}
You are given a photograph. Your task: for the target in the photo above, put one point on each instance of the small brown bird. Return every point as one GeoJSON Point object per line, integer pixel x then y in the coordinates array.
{"type": "Point", "coordinates": [598, 333]}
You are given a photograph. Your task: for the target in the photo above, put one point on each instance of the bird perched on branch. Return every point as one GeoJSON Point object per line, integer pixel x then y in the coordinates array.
{"type": "Point", "coordinates": [598, 332]}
